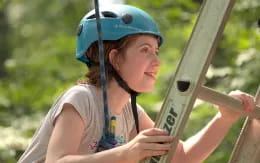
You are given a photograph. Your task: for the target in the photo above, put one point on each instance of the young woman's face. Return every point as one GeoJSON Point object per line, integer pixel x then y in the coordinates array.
{"type": "Point", "coordinates": [140, 63]}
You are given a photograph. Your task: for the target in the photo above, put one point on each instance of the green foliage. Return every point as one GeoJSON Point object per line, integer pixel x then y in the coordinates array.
{"type": "Point", "coordinates": [37, 60]}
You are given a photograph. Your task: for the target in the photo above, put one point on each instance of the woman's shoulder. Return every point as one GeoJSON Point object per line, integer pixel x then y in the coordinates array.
{"type": "Point", "coordinates": [81, 89]}
{"type": "Point", "coordinates": [80, 93]}
{"type": "Point", "coordinates": [80, 96]}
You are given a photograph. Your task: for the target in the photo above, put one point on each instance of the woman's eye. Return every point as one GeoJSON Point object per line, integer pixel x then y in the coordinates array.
{"type": "Point", "coordinates": [145, 50]}
{"type": "Point", "coordinates": [149, 50]}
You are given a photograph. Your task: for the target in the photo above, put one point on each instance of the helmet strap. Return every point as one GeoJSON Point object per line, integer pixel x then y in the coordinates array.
{"type": "Point", "coordinates": [132, 93]}
{"type": "Point", "coordinates": [125, 86]}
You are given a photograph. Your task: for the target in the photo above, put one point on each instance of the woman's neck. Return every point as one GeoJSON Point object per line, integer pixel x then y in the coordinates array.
{"type": "Point", "coordinates": [117, 97]}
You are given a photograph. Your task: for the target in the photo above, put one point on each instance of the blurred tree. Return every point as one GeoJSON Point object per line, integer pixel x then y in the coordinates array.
{"type": "Point", "coordinates": [39, 66]}
{"type": "Point", "coordinates": [4, 41]}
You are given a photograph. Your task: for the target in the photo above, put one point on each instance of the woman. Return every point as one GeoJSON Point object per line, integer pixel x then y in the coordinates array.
{"type": "Point", "coordinates": [74, 130]}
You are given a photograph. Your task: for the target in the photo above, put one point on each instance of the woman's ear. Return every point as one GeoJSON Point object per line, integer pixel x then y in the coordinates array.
{"type": "Point", "coordinates": [114, 58]}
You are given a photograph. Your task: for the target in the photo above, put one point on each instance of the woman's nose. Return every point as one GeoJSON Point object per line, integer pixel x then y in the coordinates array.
{"type": "Point", "coordinates": [156, 61]}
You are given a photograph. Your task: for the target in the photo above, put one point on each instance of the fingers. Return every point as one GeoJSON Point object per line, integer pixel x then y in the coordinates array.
{"type": "Point", "coordinates": [247, 100]}
{"type": "Point", "coordinates": [152, 142]}
{"type": "Point", "coordinates": [150, 153]}
{"type": "Point", "coordinates": [157, 146]}
{"type": "Point", "coordinates": [155, 135]}
{"type": "Point", "coordinates": [155, 131]}
{"type": "Point", "coordinates": [157, 139]}
{"type": "Point", "coordinates": [155, 149]}
{"type": "Point", "coordinates": [249, 103]}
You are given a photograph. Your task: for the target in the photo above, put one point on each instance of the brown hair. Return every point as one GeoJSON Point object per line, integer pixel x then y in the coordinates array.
{"type": "Point", "coordinates": [93, 75]}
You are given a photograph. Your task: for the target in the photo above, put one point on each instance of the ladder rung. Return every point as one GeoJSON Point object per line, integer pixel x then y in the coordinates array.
{"type": "Point", "coordinates": [217, 98]}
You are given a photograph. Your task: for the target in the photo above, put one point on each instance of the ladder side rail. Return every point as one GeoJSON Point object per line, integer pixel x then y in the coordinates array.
{"type": "Point", "coordinates": [247, 147]}
{"type": "Point", "coordinates": [191, 71]}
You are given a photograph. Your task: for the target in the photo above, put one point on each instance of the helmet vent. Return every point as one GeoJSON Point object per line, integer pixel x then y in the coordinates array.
{"type": "Point", "coordinates": [108, 14]}
{"type": "Point", "coordinates": [91, 16]}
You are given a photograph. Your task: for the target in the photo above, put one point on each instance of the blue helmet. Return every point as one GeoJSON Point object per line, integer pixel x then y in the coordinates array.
{"type": "Point", "coordinates": [117, 21]}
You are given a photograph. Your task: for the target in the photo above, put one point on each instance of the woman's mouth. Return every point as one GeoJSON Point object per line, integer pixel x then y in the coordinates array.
{"type": "Point", "coordinates": [151, 74]}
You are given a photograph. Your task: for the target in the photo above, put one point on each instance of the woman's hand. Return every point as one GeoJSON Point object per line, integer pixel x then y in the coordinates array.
{"type": "Point", "coordinates": [232, 116]}
{"type": "Point", "coordinates": [149, 142]}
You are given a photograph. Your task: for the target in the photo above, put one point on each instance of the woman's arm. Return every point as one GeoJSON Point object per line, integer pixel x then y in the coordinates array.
{"type": "Point", "coordinates": [199, 147]}
{"type": "Point", "coordinates": [67, 133]}
{"type": "Point", "coordinates": [65, 141]}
